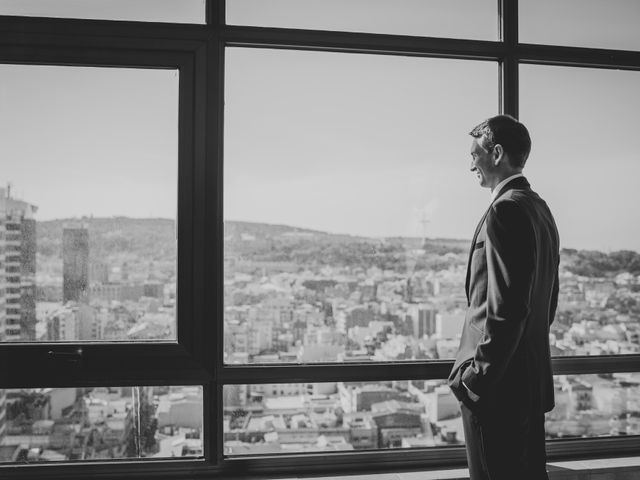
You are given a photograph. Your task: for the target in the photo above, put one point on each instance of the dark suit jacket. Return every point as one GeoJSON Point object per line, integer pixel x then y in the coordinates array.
{"type": "Point", "coordinates": [512, 294]}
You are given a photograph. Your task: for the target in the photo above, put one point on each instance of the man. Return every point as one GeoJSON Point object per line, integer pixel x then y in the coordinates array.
{"type": "Point", "coordinates": [502, 373]}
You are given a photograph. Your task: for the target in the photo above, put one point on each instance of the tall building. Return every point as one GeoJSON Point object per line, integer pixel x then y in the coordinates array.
{"type": "Point", "coordinates": [17, 268]}
{"type": "Point", "coordinates": [423, 319]}
{"type": "Point", "coordinates": [73, 322]}
{"type": "Point", "coordinates": [75, 262]}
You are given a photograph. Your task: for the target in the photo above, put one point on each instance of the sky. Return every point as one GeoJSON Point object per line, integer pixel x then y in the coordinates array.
{"type": "Point", "coordinates": [179, 11]}
{"type": "Point", "coordinates": [374, 145]}
{"type": "Point", "coordinates": [346, 143]}
{"type": "Point", "coordinates": [437, 18]}
{"type": "Point", "coordinates": [82, 141]}
{"type": "Point", "coordinates": [359, 144]}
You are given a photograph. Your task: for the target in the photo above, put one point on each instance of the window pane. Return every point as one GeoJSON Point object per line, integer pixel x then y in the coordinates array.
{"type": "Point", "coordinates": [581, 23]}
{"type": "Point", "coordinates": [100, 423]}
{"type": "Point", "coordinates": [87, 203]}
{"type": "Point", "coordinates": [585, 163]}
{"type": "Point", "coordinates": [173, 11]}
{"type": "Point", "coordinates": [595, 406]}
{"type": "Point", "coordinates": [311, 417]}
{"type": "Point", "coordinates": [476, 19]}
{"type": "Point", "coordinates": [343, 239]}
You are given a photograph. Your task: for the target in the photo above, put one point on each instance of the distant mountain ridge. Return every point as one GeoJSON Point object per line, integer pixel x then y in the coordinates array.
{"type": "Point", "coordinates": [233, 228]}
{"type": "Point", "coordinates": [149, 238]}
{"type": "Point", "coordinates": [154, 239]}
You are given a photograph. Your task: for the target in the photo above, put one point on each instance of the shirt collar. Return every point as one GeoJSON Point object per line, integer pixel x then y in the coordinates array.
{"type": "Point", "coordinates": [500, 186]}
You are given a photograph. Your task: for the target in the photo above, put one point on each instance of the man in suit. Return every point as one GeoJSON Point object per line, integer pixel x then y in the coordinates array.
{"type": "Point", "coordinates": [502, 374]}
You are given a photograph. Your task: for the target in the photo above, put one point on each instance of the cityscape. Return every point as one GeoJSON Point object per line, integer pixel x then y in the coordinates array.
{"type": "Point", "coordinates": [303, 296]}
{"type": "Point", "coordinates": [291, 295]}
{"type": "Point", "coordinates": [92, 279]}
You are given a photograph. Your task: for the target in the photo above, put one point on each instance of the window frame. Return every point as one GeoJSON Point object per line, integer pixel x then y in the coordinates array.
{"type": "Point", "coordinates": [187, 360]}
{"type": "Point", "coordinates": [196, 358]}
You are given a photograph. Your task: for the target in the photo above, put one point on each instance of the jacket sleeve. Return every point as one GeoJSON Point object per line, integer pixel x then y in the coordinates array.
{"type": "Point", "coordinates": [510, 250]}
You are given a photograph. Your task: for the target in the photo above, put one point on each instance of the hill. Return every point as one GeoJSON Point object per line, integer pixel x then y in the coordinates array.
{"type": "Point", "coordinates": [261, 242]}
{"type": "Point", "coordinates": [153, 239]}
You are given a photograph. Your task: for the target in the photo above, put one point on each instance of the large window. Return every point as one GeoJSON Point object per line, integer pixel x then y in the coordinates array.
{"type": "Point", "coordinates": [342, 242]}
{"type": "Point", "coordinates": [233, 240]}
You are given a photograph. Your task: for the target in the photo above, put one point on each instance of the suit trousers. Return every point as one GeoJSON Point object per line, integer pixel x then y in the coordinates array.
{"type": "Point", "coordinates": [504, 442]}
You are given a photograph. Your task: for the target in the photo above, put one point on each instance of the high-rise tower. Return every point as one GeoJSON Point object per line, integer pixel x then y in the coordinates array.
{"type": "Point", "coordinates": [75, 262]}
{"type": "Point", "coordinates": [17, 268]}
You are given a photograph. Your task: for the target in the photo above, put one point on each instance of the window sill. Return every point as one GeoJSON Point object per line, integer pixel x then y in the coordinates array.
{"type": "Point", "coordinates": [625, 468]}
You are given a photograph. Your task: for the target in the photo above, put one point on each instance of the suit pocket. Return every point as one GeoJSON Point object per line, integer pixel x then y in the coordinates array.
{"type": "Point", "coordinates": [478, 245]}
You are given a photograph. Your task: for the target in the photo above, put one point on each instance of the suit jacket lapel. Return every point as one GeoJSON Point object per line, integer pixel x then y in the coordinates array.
{"type": "Point", "coordinates": [471, 249]}
{"type": "Point", "coordinates": [519, 183]}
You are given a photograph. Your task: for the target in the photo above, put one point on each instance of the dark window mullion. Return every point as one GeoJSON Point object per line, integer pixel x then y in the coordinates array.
{"type": "Point", "coordinates": [509, 65]}
{"type": "Point", "coordinates": [331, 372]}
{"type": "Point", "coordinates": [215, 223]}
{"type": "Point", "coordinates": [95, 53]}
{"type": "Point", "coordinates": [216, 13]}
{"type": "Point", "coordinates": [579, 57]}
{"type": "Point", "coordinates": [361, 43]}
{"type": "Point", "coordinates": [98, 365]}
{"type": "Point", "coordinates": [170, 469]}
{"type": "Point", "coordinates": [596, 364]}
{"type": "Point", "coordinates": [509, 86]}
{"type": "Point", "coordinates": [368, 461]}
{"type": "Point", "coordinates": [281, 373]}
{"type": "Point", "coordinates": [161, 31]}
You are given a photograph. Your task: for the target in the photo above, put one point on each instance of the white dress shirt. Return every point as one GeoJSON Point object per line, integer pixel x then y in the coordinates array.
{"type": "Point", "coordinates": [496, 191]}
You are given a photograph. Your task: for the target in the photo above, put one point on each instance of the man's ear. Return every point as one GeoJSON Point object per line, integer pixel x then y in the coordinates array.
{"type": "Point", "coordinates": [498, 154]}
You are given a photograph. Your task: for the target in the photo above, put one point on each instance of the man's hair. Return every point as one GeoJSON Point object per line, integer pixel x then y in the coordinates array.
{"type": "Point", "coordinates": [508, 132]}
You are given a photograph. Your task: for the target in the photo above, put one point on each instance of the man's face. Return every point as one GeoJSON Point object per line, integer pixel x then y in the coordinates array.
{"type": "Point", "coordinates": [482, 164]}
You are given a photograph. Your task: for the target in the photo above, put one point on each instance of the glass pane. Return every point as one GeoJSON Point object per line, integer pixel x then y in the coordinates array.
{"type": "Point", "coordinates": [581, 23]}
{"type": "Point", "coordinates": [312, 417]}
{"type": "Point", "coordinates": [338, 416]}
{"type": "Point", "coordinates": [172, 11]}
{"type": "Point", "coordinates": [342, 239]}
{"type": "Point", "coordinates": [100, 423]}
{"type": "Point", "coordinates": [585, 163]}
{"type": "Point", "coordinates": [595, 406]}
{"type": "Point", "coordinates": [88, 203]}
{"type": "Point", "coordinates": [475, 19]}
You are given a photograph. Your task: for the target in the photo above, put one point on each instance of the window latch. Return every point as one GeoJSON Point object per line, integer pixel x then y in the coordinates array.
{"type": "Point", "coordinates": [74, 356]}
